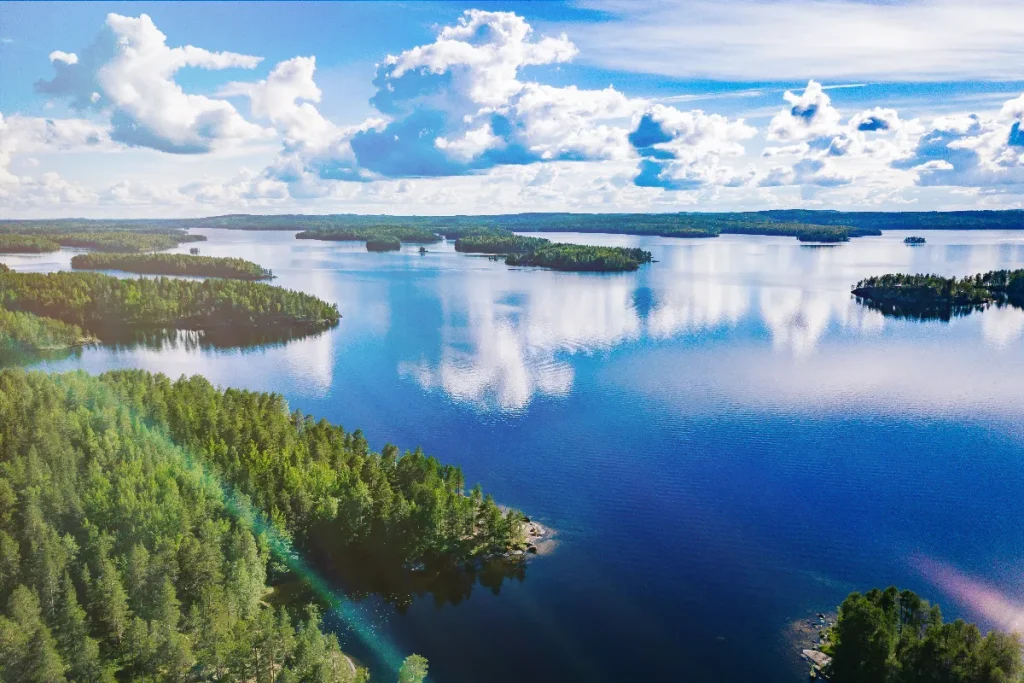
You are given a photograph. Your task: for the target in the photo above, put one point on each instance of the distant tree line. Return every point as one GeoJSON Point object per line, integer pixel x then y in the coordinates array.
{"type": "Point", "coordinates": [173, 264]}
{"type": "Point", "coordinates": [895, 636]}
{"type": "Point", "coordinates": [26, 244]}
{"type": "Point", "coordinates": [109, 236]}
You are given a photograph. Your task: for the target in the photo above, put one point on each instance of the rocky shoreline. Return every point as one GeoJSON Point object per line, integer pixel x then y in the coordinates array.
{"type": "Point", "coordinates": [807, 637]}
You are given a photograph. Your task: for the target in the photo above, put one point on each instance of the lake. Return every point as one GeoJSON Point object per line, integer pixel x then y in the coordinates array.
{"type": "Point", "coordinates": [724, 440]}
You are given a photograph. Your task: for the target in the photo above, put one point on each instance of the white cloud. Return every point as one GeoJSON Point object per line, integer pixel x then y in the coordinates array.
{"type": "Point", "coordinates": [65, 57]}
{"type": "Point", "coordinates": [131, 69]}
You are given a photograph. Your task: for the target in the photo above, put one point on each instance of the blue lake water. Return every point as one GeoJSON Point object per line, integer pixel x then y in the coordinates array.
{"type": "Point", "coordinates": [724, 441]}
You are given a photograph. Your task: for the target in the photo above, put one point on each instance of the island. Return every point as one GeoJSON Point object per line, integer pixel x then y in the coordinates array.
{"type": "Point", "coordinates": [825, 235]}
{"type": "Point", "coordinates": [924, 296]}
{"type": "Point", "coordinates": [107, 306]}
{"type": "Point", "coordinates": [895, 636]}
{"type": "Point", "coordinates": [173, 264]}
{"type": "Point", "coordinates": [579, 257]}
{"type": "Point", "coordinates": [148, 525]}
{"type": "Point", "coordinates": [383, 244]}
{"type": "Point", "coordinates": [26, 244]}
{"type": "Point", "coordinates": [500, 242]}
{"type": "Point", "coordinates": [914, 240]}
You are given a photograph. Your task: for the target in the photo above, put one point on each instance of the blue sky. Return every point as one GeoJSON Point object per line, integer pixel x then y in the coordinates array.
{"type": "Point", "coordinates": [133, 109]}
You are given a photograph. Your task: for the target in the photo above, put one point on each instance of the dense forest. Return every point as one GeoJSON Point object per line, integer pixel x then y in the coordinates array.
{"type": "Point", "coordinates": [498, 242]}
{"type": "Point", "coordinates": [914, 240]}
{"type": "Point", "coordinates": [173, 264]}
{"type": "Point", "coordinates": [383, 244]}
{"type": "Point", "coordinates": [924, 296]}
{"type": "Point", "coordinates": [25, 337]}
{"type": "Point", "coordinates": [400, 233]}
{"type": "Point", "coordinates": [109, 236]}
{"type": "Point", "coordinates": [578, 257]}
{"type": "Point", "coordinates": [824, 234]}
{"type": "Point", "coordinates": [26, 244]}
{"type": "Point", "coordinates": [144, 523]}
{"type": "Point", "coordinates": [103, 305]}
{"type": "Point", "coordinates": [894, 636]}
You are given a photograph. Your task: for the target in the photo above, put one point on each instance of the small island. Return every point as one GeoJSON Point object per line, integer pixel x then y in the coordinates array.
{"type": "Point", "coordinates": [824, 235]}
{"type": "Point", "coordinates": [383, 244]}
{"type": "Point", "coordinates": [500, 242]}
{"type": "Point", "coordinates": [914, 240]}
{"type": "Point", "coordinates": [582, 258]}
{"type": "Point", "coordinates": [173, 264]}
{"type": "Point", "coordinates": [107, 306]}
{"type": "Point", "coordinates": [935, 296]}
{"type": "Point", "coordinates": [520, 250]}
{"type": "Point", "coordinates": [26, 244]}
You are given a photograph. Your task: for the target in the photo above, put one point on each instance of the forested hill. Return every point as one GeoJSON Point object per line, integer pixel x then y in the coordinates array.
{"type": "Point", "coordinates": [173, 264]}
{"type": "Point", "coordinates": [101, 303]}
{"type": "Point", "coordinates": [143, 523]}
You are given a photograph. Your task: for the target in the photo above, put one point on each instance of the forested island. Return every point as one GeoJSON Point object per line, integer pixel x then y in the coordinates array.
{"type": "Point", "coordinates": [173, 264]}
{"type": "Point", "coordinates": [108, 306]}
{"type": "Point", "coordinates": [914, 240]}
{"type": "Point", "coordinates": [26, 244]}
{"type": "Point", "coordinates": [537, 251]}
{"type": "Point", "coordinates": [935, 296]}
{"type": "Point", "coordinates": [145, 523]}
{"type": "Point", "coordinates": [578, 257]}
{"type": "Point", "coordinates": [824, 234]}
{"type": "Point", "coordinates": [498, 242]}
{"type": "Point", "coordinates": [383, 244]}
{"type": "Point", "coordinates": [895, 636]}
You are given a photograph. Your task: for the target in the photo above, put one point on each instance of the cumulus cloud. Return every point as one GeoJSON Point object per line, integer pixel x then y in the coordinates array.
{"type": "Point", "coordinates": [458, 106]}
{"type": "Point", "coordinates": [128, 74]}
{"type": "Point", "coordinates": [809, 115]}
{"type": "Point", "coordinates": [683, 150]}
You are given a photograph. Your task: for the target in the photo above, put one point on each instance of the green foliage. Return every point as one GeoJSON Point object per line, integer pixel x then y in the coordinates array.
{"type": "Point", "coordinates": [383, 244]}
{"type": "Point", "coordinates": [938, 296]}
{"type": "Point", "coordinates": [24, 333]}
{"type": "Point", "coordinates": [381, 233]}
{"type": "Point", "coordinates": [578, 257]}
{"type": "Point", "coordinates": [101, 303]}
{"type": "Point", "coordinates": [414, 670]}
{"type": "Point", "coordinates": [26, 244]}
{"type": "Point", "coordinates": [894, 636]}
{"type": "Point", "coordinates": [498, 242]}
{"type": "Point", "coordinates": [317, 481]}
{"type": "Point", "coordinates": [109, 236]}
{"type": "Point", "coordinates": [119, 558]}
{"type": "Point", "coordinates": [823, 234]}
{"type": "Point", "coordinates": [173, 264]}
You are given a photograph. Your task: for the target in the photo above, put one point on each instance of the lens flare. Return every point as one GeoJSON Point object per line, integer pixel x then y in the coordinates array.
{"type": "Point", "coordinates": [239, 506]}
{"type": "Point", "coordinates": [986, 601]}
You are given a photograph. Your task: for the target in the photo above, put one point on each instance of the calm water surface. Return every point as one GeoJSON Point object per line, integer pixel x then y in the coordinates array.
{"type": "Point", "coordinates": [724, 441]}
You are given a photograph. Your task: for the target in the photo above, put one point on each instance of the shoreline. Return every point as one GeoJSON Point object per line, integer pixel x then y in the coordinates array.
{"type": "Point", "coordinates": [806, 637]}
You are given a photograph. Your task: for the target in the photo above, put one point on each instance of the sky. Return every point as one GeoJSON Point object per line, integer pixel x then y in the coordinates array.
{"type": "Point", "coordinates": [170, 109]}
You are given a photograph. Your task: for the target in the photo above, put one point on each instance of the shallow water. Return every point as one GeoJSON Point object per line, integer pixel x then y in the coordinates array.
{"type": "Point", "coordinates": [724, 440]}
